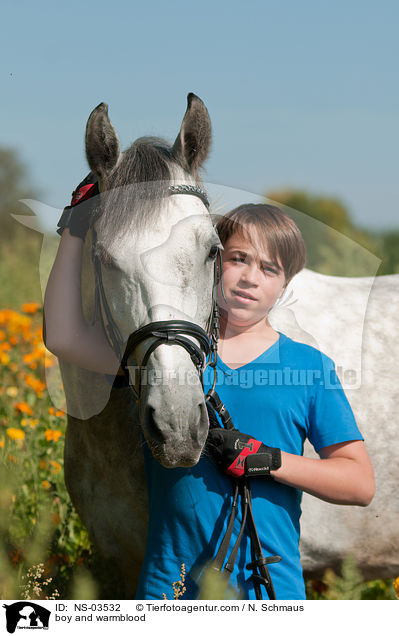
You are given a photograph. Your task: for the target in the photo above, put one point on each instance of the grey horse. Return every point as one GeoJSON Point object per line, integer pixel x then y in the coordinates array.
{"type": "Point", "coordinates": [156, 254]}
{"type": "Point", "coordinates": [353, 320]}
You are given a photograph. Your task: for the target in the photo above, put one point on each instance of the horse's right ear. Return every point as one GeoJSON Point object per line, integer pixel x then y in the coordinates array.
{"type": "Point", "coordinates": [193, 142]}
{"type": "Point", "coordinates": [102, 143]}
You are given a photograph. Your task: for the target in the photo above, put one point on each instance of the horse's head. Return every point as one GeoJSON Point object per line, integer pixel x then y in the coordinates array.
{"type": "Point", "coordinates": [156, 251]}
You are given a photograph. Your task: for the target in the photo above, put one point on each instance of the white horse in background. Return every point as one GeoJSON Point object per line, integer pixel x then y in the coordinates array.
{"type": "Point", "coordinates": [354, 321]}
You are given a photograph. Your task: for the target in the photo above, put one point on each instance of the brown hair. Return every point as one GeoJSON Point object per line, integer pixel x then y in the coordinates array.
{"type": "Point", "coordinates": [267, 225]}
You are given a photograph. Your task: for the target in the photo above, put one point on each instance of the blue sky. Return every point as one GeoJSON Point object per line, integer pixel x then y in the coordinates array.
{"type": "Point", "coordinates": [300, 94]}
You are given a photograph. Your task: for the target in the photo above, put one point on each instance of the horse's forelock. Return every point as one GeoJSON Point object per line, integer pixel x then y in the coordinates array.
{"type": "Point", "coordinates": [149, 165]}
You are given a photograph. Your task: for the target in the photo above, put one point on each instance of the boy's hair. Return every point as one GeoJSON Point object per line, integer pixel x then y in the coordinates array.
{"type": "Point", "coordinates": [267, 226]}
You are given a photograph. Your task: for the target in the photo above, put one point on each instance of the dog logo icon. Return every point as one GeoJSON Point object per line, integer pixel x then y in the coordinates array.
{"type": "Point", "coordinates": [26, 615]}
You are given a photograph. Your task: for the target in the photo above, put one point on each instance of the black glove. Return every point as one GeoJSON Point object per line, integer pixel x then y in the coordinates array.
{"type": "Point", "coordinates": [238, 454]}
{"type": "Point", "coordinates": [77, 216]}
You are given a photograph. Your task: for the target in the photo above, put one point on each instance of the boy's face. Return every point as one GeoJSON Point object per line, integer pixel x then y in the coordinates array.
{"type": "Point", "coordinates": [252, 282]}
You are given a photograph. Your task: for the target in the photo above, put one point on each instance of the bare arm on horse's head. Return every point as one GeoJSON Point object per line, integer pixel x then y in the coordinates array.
{"type": "Point", "coordinates": [65, 332]}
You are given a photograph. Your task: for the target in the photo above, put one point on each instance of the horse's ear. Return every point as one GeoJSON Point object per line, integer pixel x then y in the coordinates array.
{"type": "Point", "coordinates": [102, 143]}
{"type": "Point", "coordinates": [193, 142]}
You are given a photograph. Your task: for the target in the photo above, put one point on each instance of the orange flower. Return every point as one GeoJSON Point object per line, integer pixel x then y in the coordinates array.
{"type": "Point", "coordinates": [4, 358]}
{"type": "Point", "coordinates": [23, 407]}
{"type": "Point", "coordinates": [19, 323]}
{"type": "Point", "coordinates": [46, 484]}
{"type": "Point", "coordinates": [31, 359]}
{"type": "Point", "coordinates": [396, 587]}
{"type": "Point", "coordinates": [5, 316]}
{"type": "Point", "coordinates": [2, 442]}
{"type": "Point", "coordinates": [2, 335]}
{"type": "Point", "coordinates": [15, 433]}
{"type": "Point", "coordinates": [37, 385]}
{"type": "Point", "coordinates": [55, 466]}
{"type": "Point", "coordinates": [52, 436]}
{"type": "Point", "coordinates": [57, 412]}
{"type": "Point", "coordinates": [30, 308]}
{"type": "Point", "coordinates": [32, 423]}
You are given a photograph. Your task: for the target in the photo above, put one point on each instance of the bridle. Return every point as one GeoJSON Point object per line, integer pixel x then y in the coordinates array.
{"type": "Point", "coordinates": [171, 332]}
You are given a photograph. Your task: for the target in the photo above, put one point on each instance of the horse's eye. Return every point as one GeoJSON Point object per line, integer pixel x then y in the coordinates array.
{"type": "Point", "coordinates": [213, 252]}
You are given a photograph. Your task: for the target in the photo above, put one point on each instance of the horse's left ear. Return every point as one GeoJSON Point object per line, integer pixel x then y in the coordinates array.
{"type": "Point", "coordinates": [102, 143]}
{"type": "Point", "coordinates": [193, 142]}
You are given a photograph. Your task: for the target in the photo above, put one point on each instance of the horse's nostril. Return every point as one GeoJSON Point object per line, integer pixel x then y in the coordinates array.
{"type": "Point", "coordinates": [151, 427]}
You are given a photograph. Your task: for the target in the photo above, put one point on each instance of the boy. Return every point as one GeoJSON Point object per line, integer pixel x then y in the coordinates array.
{"type": "Point", "coordinates": [257, 366]}
{"type": "Point", "coordinates": [257, 370]}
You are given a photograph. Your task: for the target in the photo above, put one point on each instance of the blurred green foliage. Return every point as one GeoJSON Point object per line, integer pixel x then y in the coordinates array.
{"type": "Point", "coordinates": [335, 245]}
{"type": "Point", "coordinates": [390, 251]}
{"type": "Point", "coordinates": [19, 246]}
{"type": "Point", "coordinates": [349, 585]}
{"type": "Point", "coordinates": [19, 269]}
{"type": "Point", "coordinates": [14, 185]}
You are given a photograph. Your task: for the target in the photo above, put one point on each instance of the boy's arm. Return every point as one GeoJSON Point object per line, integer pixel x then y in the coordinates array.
{"type": "Point", "coordinates": [65, 331]}
{"type": "Point", "coordinates": [343, 475]}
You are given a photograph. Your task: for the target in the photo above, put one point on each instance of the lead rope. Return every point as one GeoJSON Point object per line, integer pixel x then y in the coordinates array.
{"type": "Point", "coordinates": [211, 398]}
{"type": "Point", "coordinates": [258, 565]}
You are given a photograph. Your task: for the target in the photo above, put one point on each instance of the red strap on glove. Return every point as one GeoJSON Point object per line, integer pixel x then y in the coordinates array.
{"type": "Point", "coordinates": [238, 454]}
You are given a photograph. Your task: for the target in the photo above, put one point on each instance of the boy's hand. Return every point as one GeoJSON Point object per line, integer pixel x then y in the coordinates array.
{"type": "Point", "coordinates": [239, 454]}
{"type": "Point", "coordinates": [77, 216]}
{"type": "Point", "coordinates": [77, 219]}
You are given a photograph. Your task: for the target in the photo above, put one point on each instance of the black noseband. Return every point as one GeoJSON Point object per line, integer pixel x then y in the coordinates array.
{"type": "Point", "coordinates": [169, 332]}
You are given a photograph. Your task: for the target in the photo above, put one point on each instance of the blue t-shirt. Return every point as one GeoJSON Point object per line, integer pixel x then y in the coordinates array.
{"type": "Point", "coordinates": [289, 393]}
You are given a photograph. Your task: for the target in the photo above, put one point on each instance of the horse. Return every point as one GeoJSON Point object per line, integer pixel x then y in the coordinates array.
{"type": "Point", "coordinates": [155, 249]}
{"type": "Point", "coordinates": [353, 321]}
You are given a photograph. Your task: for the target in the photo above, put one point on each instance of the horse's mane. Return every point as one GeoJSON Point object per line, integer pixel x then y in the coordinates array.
{"type": "Point", "coordinates": [136, 189]}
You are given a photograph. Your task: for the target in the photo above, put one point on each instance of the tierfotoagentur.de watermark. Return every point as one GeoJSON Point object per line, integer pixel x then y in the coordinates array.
{"type": "Point", "coordinates": [245, 378]}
